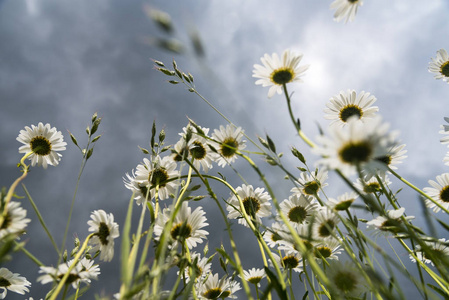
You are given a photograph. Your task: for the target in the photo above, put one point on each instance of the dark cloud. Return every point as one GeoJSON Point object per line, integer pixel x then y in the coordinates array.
{"type": "Point", "coordinates": [61, 61]}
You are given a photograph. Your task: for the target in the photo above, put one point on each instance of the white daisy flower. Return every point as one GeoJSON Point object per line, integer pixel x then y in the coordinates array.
{"type": "Point", "coordinates": [445, 130]}
{"type": "Point", "coordinates": [299, 209]}
{"type": "Point", "coordinates": [200, 265]}
{"type": "Point", "coordinates": [186, 225]}
{"type": "Point", "coordinates": [306, 234]}
{"type": "Point", "coordinates": [254, 275]}
{"type": "Point", "coordinates": [15, 221]}
{"type": "Point", "coordinates": [277, 71]}
{"type": "Point", "coordinates": [140, 190]}
{"type": "Point", "coordinates": [345, 280]}
{"type": "Point", "coordinates": [310, 184]}
{"type": "Point", "coordinates": [291, 260]}
{"type": "Point", "coordinates": [389, 223]}
{"type": "Point", "coordinates": [343, 202]}
{"type": "Point", "coordinates": [158, 174]}
{"type": "Point", "coordinates": [273, 236]}
{"type": "Point", "coordinates": [438, 250]}
{"type": "Point", "coordinates": [44, 142]}
{"type": "Point", "coordinates": [395, 154]}
{"type": "Point", "coordinates": [228, 141]}
{"type": "Point", "coordinates": [371, 185]}
{"type": "Point", "coordinates": [357, 144]}
{"type": "Point", "coordinates": [233, 287]}
{"type": "Point", "coordinates": [324, 223]}
{"type": "Point", "coordinates": [106, 230]}
{"type": "Point", "coordinates": [255, 201]}
{"type": "Point", "coordinates": [440, 65]}
{"type": "Point", "coordinates": [197, 148]}
{"type": "Point", "coordinates": [12, 282]}
{"type": "Point", "coordinates": [345, 9]}
{"type": "Point", "coordinates": [328, 248]}
{"type": "Point", "coordinates": [212, 287]}
{"type": "Point", "coordinates": [439, 192]}
{"type": "Point", "coordinates": [83, 272]}
{"type": "Point", "coordinates": [347, 104]}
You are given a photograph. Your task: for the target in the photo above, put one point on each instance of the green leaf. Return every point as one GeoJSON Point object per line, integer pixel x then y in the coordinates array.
{"type": "Point", "coordinates": [145, 151]}
{"type": "Point", "coordinates": [263, 142]}
{"type": "Point", "coordinates": [282, 293]}
{"type": "Point", "coordinates": [271, 144]}
{"type": "Point", "coordinates": [96, 138]}
{"type": "Point", "coordinates": [438, 290]}
{"type": "Point", "coordinates": [445, 226]}
{"type": "Point", "coordinates": [166, 72]}
{"type": "Point", "coordinates": [89, 153]}
{"type": "Point", "coordinates": [298, 155]}
{"type": "Point", "coordinates": [173, 81]}
{"type": "Point", "coordinates": [73, 139]}
{"type": "Point", "coordinates": [153, 133]}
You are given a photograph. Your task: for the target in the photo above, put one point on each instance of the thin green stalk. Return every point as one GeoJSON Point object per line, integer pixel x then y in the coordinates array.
{"type": "Point", "coordinates": [30, 256]}
{"type": "Point", "coordinates": [41, 220]}
{"type": "Point", "coordinates": [13, 186]}
{"type": "Point", "coordinates": [296, 122]}
{"type": "Point", "coordinates": [418, 190]}
{"type": "Point", "coordinates": [61, 283]}
{"type": "Point", "coordinates": [83, 164]}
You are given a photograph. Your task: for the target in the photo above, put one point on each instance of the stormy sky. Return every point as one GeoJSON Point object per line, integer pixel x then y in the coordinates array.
{"type": "Point", "coordinates": [61, 61]}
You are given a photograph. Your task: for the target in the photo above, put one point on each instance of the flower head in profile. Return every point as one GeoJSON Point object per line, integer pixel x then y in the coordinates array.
{"type": "Point", "coordinates": [278, 71]}
{"type": "Point", "coordinates": [200, 267]}
{"type": "Point", "coordinates": [83, 272]}
{"type": "Point", "coordinates": [233, 287]}
{"type": "Point", "coordinates": [106, 230]}
{"type": "Point", "coordinates": [212, 287]}
{"type": "Point", "coordinates": [12, 282]}
{"type": "Point", "coordinates": [328, 248]}
{"type": "Point", "coordinates": [342, 202]}
{"type": "Point", "coordinates": [310, 184]}
{"type": "Point", "coordinates": [254, 275]}
{"type": "Point", "coordinates": [256, 203]}
{"type": "Point", "coordinates": [44, 142]}
{"type": "Point", "coordinates": [228, 141]}
{"type": "Point", "coordinates": [390, 223]}
{"type": "Point", "coordinates": [347, 104]}
{"type": "Point", "coordinates": [324, 223]}
{"type": "Point", "coordinates": [299, 209]}
{"type": "Point", "coordinates": [345, 9]}
{"type": "Point", "coordinates": [395, 155]}
{"type": "Point", "coordinates": [440, 65]}
{"type": "Point", "coordinates": [290, 260]}
{"type": "Point", "coordinates": [372, 185]}
{"type": "Point", "coordinates": [158, 175]}
{"type": "Point", "coordinates": [186, 225]}
{"type": "Point", "coordinates": [273, 236]}
{"type": "Point", "coordinates": [356, 145]}
{"type": "Point", "coordinates": [193, 145]}
{"type": "Point", "coordinates": [439, 192]}
{"type": "Point", "coordinates": [15, 221]}
{"type": "Point", "coordinates": [437, 250]}
{"type": "Point", "coordinates": [345, 280]}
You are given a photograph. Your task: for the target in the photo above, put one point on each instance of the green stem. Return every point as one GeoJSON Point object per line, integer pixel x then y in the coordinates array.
{"type": "Point", "coordinates": [75, 261]}
{"type": "Point", "coordinates": [296, 122]}
{"type": "Point", "coordinates": [418, 190]}
{"type": "Point", "coordinates": [41, 220]}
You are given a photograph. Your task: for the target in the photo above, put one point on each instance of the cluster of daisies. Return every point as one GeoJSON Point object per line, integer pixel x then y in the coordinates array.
{"type": "Point", "coordinates": [41, 145]}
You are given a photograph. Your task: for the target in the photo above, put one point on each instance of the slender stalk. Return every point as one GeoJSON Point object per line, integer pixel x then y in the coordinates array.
{"type": "Point", "coordinates": [13, 186]}
{"type": "Point", "coordinates": [41, 220]}
{"type": "Point", "coordinates": [61, 283]}
{"type": "Point", "coordinates": [296, 122]}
